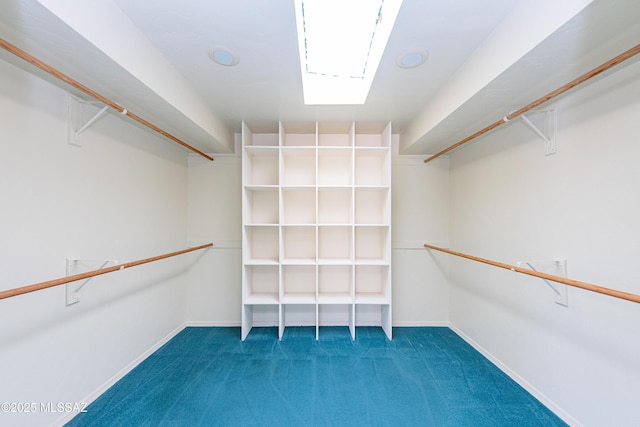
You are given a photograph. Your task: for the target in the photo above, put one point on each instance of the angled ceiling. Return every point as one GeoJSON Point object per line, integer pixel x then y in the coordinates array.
{"type": "Point", "coordinates": [486, 58]}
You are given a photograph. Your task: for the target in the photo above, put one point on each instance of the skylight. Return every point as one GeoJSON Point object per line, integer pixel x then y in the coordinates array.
{"type": "Point", "coordinates": [341, 43]}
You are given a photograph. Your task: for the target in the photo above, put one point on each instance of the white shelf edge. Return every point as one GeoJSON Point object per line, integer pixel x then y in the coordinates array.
{"type": "Point", "coordinates": [366, 298]}
{"type": "Point", "coordinates": [335, 261]}
{"type": "Point", "coordinates": [334, 298]}
{"type": "Point", "coordinates": [261, 299]}
{"type": "Point", "coordinates": [298, 261]}
{"type": "Point", "coordinates": [261, 261]}
{"type": "Point", "coordinates": [298, 298]}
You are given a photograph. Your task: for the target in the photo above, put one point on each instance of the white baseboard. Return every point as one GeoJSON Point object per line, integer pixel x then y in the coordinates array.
{"type": "Point", "coordinates": [117, 377]}
{"type": "Point", "coordinates": [566, 417]}
{"type": "Point", "coordinates": [213, 324]}
{"type": "Point", "coordinates": [423, 324]}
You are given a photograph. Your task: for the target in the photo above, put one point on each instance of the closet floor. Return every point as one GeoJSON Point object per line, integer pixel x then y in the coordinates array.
{"type": "Point", "coordinates": [207, 376]}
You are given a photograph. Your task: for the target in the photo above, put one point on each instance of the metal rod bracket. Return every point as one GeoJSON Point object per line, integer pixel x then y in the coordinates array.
{"type": "Point", "coordinates": [549, 133]}
{"type": "Point", "coordinates": [75, 112]}
{"type": "Point", "coordinates": [74, 266]}
{"type": "Point", "coordinates": [557, 267]}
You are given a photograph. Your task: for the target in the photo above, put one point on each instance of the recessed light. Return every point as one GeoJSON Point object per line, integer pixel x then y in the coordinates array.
{"type": "Point", "coordinates": [223, 56]}
{"type": "Point", "coordinates": [412, 59]}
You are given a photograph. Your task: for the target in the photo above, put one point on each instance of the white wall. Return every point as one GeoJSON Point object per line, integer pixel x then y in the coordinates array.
{"type": "Point", "coordinates": [122, 195]}
{"type": "Point", "coordinates": [420, 214]}
{"type": "Point", "coordinates": [215, 215]}
{"type": "Point", "coordinates": [510, 203]}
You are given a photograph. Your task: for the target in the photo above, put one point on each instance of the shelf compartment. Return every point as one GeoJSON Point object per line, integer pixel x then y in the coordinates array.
{"type": "Point", "coordinates": [298, 244]}
{"type": "Point", "coordinates": [298, 166]}
{"type": "Point", "coordinates": [260, 166]}
{"type": "Point", "coordinates": [371, 140]}
{"type": "Point", "coordinates": [263, 140]}
{"type": "Point", "coordinates": [298, 134]}
{"type": "Point", "coordinates": [265, 136]}
{"type": "Point", "coordinates": [334, 140]}
{"type": "Point", "coordinates": [298, 284]}
{"type": "Point", "coordinates": [335, 284]}
{"type": "Point", "coordinates": [372, 206]}
{"type": "Point", "coordinates": [334, 314]}
{"type": "Point", "coordinates": [334, 206]}
{"type": "Point", "coordinates": [261, 284]}
{"type": "Point", "coordinates": [372, 244]}
{"type": "Point", "coordinates": [334, 244]}
{"type": "Point", "coordinates": [372, 284]}
{"type": "Point", "coordinates": [261, 244]}
{"type": "Point", "coordinates": [334, 134]}
{"type": "Point", "coordinates": [334, 166]}
{"type": "Point", "coordinates": [299, 206]}
{"type": "Point", "coordinates": [371, 167]}
{"type": "Point", "coordinates": [259, 315]}
{"type": "Point", "coordinates": [374, 315]}
{"type": "Point", "coordinates": [299, 315]}
{"type": "Point", "coordinates": [261, 205]}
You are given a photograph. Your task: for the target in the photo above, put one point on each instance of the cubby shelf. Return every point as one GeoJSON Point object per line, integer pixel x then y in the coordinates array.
{"type": "Point", "coordinates": [316, 218]}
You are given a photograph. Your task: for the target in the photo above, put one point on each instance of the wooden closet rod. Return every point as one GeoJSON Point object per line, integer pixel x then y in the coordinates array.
{"type": "Point", "coordinates": [562, 89]}
{"type": "Point", "coordinates": [583, 285]}
{"type": "Point", "coordinates": [51, 283]}
{"type": "Point", "coordinates": [55, 73]}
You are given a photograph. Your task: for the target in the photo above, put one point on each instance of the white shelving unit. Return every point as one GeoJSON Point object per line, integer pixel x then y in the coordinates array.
{"type": "Point", "coordinates": [316, 209]}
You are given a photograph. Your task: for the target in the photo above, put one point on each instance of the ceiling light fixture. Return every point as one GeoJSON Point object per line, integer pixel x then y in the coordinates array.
{"type": "Point", "coordinates": [412, 59]}
{"type": "Point", "coordinates": [223, 56]}
{"type": "Point", "coordinates": [341, 44]}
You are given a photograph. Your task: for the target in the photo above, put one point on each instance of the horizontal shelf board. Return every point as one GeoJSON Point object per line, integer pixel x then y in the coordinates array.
{"type": "Point", "coordinates": [262, 187]}
{"type": "Point", "coordinates": [371, 261]}
{"type": "Point", "coordinates": [372, 148]}
{"type": "Point", "coordinates": [372, 186]}
{"type": "Point", "coordinates": [261, 148]}
{"type": "Point", "coordinates": [346, 148]}
{"type": "Point", "coordinates": [334, 261]}
{"type": "Point", "coordinates": [335, 186]}
{"type": "Point", "coordinates": [263, 225]}
{"type": "Point", "coordinates": [334, 224]}
{"type": "Point", "coordinates": [261, 299]}
{"type": "Point", "coordinates": [372, 298]}
{"type": "Point", "coordinates": [335, 298]}
{"type": "Point", "coordinates": [298, 261]}
{"type": "Point", "coordinates": [261, 261]}
{"type": "Point", "coordinates": [298, 298]}
{"type": "Point", "coordinates": [311, 148]}
{"type": "Point", "coordinates": [371, 225]}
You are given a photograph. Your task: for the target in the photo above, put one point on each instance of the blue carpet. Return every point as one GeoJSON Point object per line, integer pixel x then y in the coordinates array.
{"type": "Point", "coordinates": [424, 377]}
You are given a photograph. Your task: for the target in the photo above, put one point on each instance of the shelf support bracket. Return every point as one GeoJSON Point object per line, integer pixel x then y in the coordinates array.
{"type": "Point", "coordinates": [75, 110]}
{"type": "Point", "coordinates": [557, 267]}
{"type": "Point", "coordinates": [92, 120]}
{"type": "Point", "coordinates": [549, 134]}
{"type": "Point", "coordinates": [73, 289]}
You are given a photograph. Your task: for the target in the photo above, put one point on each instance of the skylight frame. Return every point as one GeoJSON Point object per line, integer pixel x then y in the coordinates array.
{"type": "Point", "coordinates": [321, 86]}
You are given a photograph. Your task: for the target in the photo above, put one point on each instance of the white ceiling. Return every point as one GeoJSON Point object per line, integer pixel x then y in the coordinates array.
{"type": "Point", "coordinates": [486, 58]}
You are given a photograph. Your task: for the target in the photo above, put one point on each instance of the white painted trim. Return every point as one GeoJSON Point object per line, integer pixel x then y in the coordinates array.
{"type": "Point", "coordinates": [213, 324]}
{"type": "Point", "coordinates": [117, 377]}
{"type": "Point", "coordinates": [556, 409]}
{"type": "Point", "coordinates": [422, 324]}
